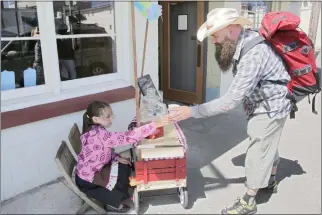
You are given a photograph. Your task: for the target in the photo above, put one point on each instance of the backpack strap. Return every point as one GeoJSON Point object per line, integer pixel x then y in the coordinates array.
{"type": "Point", "coordinates": [318, 82]}
{"type": "Point", "coordinates": [248, 46]}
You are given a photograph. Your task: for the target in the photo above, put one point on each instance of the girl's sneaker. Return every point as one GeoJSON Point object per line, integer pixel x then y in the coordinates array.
{"type": "Point", "coordinates": [124, 209]}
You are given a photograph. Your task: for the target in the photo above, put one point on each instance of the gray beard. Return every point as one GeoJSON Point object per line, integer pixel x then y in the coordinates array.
{"type": "Point", "coordinates": [224, 54]}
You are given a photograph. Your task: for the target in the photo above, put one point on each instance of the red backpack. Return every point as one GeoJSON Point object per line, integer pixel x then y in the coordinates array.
{"type": "Point", "coordinates": [280, 30]}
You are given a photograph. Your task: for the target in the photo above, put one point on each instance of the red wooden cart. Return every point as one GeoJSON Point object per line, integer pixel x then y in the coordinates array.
{"type": "Point", "coordinates": [161, 164]}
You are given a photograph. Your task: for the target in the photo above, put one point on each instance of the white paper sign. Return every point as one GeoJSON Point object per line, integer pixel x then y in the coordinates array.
{"type": "Point", "coordinates": [182, 22]}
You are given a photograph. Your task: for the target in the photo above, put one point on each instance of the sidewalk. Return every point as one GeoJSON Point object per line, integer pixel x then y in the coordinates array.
{"type": "Point", "coordinates": [215, 171]}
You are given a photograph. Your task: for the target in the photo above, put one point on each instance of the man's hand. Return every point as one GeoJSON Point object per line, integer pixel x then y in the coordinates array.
{"type": "Point", "coordinates": [123, 160]}
{"type": "Point", "coordinates": [179, 113]}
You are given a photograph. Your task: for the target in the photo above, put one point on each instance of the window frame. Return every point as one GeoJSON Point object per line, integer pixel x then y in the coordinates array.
{"type": "Point", "coordinates": [53, 86]}
{"type": "Point", "coordinates": [22, 92]}
{"type": "Point", "coordinates": [305, 4]}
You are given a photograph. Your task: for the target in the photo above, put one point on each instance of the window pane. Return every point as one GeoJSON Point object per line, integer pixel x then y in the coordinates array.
{"type": "Point", "coordinates": [21, 60]}
{"type": "Point", "coordinates": [84, 17]}
{"type": "Point", "coordinates": [86, 57]}
{"type": "Point", "coordinates": [21, 64]}
{"type": "Point", "coordinates": [18, 18]}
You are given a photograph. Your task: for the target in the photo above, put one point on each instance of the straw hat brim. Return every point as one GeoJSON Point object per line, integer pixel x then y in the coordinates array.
{"type": "Point", "coordinates": [203, 32]}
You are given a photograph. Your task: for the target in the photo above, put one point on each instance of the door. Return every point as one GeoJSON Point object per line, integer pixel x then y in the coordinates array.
{"type": "Point", "coordinates": [182, 53]}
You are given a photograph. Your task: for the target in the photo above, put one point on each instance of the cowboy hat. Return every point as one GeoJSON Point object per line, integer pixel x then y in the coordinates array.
{"type": "Point", "coordinates": [218, 19]}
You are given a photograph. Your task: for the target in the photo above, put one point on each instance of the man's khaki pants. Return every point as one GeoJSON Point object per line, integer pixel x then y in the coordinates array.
{"type": "Point", "coordinates": [262, 153]}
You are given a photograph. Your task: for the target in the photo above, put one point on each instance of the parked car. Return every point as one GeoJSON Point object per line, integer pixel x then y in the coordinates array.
{"type": "Point", "coordinates": [92, 55]}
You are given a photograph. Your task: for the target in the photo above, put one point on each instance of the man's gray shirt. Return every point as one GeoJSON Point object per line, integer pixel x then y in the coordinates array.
{"type": "Point", "coordinates": [250, 85]}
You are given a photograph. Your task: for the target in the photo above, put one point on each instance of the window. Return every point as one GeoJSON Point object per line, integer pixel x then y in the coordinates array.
{"type": "Point", "coordinates": [21, 56]}
{"type": "Point", "coordinates": [86, 39]}
{"type": "Point", "coordinates": [254, 11]}
{"type": "Point", "coordinates": [60, 49]}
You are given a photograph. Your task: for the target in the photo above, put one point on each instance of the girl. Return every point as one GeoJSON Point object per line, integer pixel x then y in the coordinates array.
{"type": "Point", "coordinates": [101, 173]}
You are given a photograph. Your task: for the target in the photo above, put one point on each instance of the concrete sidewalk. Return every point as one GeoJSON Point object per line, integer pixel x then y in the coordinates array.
{"type": "Point", "coordinates": [215, 171]}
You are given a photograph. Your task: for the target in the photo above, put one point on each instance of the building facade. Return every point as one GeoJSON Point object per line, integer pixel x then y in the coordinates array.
{"type": "Point", "coordinates": [56, 57]}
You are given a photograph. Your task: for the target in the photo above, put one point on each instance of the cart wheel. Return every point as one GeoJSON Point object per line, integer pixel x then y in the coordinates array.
{"type": "Point", "coordinates": [136, 200]}
{"type": "Point", "coordinates": [183, 196]}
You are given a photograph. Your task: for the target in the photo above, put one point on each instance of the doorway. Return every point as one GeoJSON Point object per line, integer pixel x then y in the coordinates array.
{"type": "Point", "coordinates": [181, 56]}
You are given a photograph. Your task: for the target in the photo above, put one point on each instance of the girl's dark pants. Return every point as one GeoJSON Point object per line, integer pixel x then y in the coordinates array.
{"type": "Point", "coordinates": [105, 196]}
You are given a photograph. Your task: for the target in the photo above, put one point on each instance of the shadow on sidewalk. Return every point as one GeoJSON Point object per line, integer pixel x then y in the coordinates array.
{"type": "Point", "coordinates": [207, 140]}
{"type": "Point", "coordinates": [286, 169]}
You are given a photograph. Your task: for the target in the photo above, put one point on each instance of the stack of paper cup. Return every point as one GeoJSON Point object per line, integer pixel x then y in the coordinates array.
{"type": "Point", "coordinates": [170, 106]}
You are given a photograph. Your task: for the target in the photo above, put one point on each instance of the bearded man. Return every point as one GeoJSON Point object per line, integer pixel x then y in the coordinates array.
{"type": "Point", "coordinates": [265, 103]}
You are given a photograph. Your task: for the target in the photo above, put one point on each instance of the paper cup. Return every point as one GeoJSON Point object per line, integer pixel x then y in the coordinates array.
{"type": "Point", "coordinates": [172, 106]}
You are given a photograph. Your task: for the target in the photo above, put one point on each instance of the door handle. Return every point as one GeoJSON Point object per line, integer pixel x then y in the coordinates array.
{"type": "Point", "coordinates": [198, 55]}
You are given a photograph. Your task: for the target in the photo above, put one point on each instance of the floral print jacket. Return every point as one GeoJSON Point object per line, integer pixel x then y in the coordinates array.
{"type": "Point", "coordinates": [98, 144]}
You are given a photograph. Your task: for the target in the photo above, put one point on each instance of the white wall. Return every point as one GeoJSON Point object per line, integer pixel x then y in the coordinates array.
{"type": "Point", "coordinates": [28, 151]}
{"type": "Point", "coordinates": [305, 15]}
{"type": "Point", "coordinates": [295, 7]}
{"type": "Point", "coordinates": [227, 77]}
{"type": "Point", "coordinates": [213, 71]}
{"type": "Point", "coordinates": [217, 83]}
{"type": "Point", "coordinates": [151, 65]}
